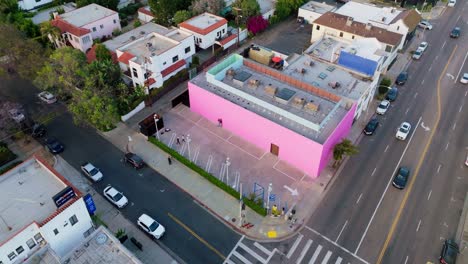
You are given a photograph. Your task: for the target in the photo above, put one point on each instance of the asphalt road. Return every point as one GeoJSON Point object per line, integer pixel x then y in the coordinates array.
{"type": "Point", "coordinates": [191, 232]}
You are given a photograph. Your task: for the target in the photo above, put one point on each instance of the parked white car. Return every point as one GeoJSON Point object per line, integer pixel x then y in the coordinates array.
{"type": "Point", "coordinates": [451, 3]}
{"type": "Point", "coordinates": [47, 97]}
{"type": "Point", "coordinates": [403, 131]}
{"type": "Point", "coordinates": [417, 54]}
{"type": "Point", "coordinates": [151, 226]}
{"type": "Point", "coordinates": [16, 115]}
{"type": "Point", "coordinates": [115, 197]}
{"type": "Point", "coordinates": [383, 107]}
{"type": "Point", "coordinates": [91, 172]}
{"type": "Point", "coordinates": [425, 25]}
{"type": "Point", "coordinates": [423, 46]}
{"type": "Point", "coordinates": [464, 78]}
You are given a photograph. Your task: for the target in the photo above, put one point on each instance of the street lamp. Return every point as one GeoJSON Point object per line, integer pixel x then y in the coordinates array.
{"type": "Point", "coordinates": [156, 119]}
{"type": "Point", "coordinates": [228, 163]}
{"type": "Point", "coordinates": [270, 188]}
{"type": "Point", "coordinates": [188, 146]}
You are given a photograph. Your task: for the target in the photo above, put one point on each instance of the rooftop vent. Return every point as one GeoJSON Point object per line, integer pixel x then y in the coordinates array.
{"type": "Point", "coordinates": [270, 89]}
{"type": "Point", "coordinates": [132, 37]}
{"type": "Point", "coordinates": [149, 44]}
{"type": "Point", "coordinates": [393, 10]}
{"type": "Point", "coordinates": [334, 85]}
{"type": "Point", "coordinates": [383, 19]}
{"type": "Point", "coordinates": [142, 32]}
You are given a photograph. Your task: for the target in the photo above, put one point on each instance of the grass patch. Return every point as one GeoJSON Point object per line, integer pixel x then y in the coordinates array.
{"type": "Point", "coordinates": [257, 207]}
{"type": "Point", "coordinates": [10, 166]}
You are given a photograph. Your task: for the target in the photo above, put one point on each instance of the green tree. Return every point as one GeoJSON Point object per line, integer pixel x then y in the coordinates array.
{"type": "Point", "coordinates": [102, 53]}
{"type": "Point", "coordinates": [210, 6]}
{"type": "Point", "coordinates": [103, 76]}
{"type": "Point", "coordinates": [384, 85]}
{"type": "Point", "coordinates": [247, 8]}
{"type": "Point", "coordinates": [49, 33]}
{"type": "Point", "coordinates": [342, 149]}
{"type": "Point", "coordinates": [165, 9]}
{"type": "Point", "coordinates": [182, 15]}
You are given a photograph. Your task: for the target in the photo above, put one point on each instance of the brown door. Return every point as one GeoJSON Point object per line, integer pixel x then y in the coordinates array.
{"type": "Point", "coordinates": [274, 149]}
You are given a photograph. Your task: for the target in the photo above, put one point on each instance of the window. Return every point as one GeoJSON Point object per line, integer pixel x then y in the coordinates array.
{"type": "Point", "coordinates": [352, 37]}
{"type": "Point", "coordinates": [388, 48]}
{"type": "Point", "coordinates": [164, 63]}
{"type": "Point", "coordinates": [31, 243]}
{"type": "Point", "coordinates": [341, 34]}
{"type": "Point", "coordinates": [102, 26]}
{"type": "Point", "coordinates": [187, 49]}
{"type": "Point", "coordinates": [175, 58]}
{"type": "Point", "coordinates": [20, 250]}
{"type": "Point", "coordinates": [86, 39]}
{"type": "Point", "coordinates": [199, 40]}
{"type": "Point", "coordinates": [135, 72]}
{"type": "Point", "coordinates": [76, 39]}
{"type": "Point", "coordinates": [317, 27]}
{"type": "Point", "coordinates": [73, 220]}
{"type": "Point", "coordinates": [56, 231]}
{"type": "Point", "coordinates": [88, 232]}
{"type": "Point", "coordinates": [398, 28]}
{"type": "Point", "coordinates": [224, 30]}
{"type": "Point", "coordinates": [94, 29]}
{"type": "Point", "coordinates": [115, 21]}
{"type": "Point", "coordinates": [38, 237]}
{"type": "Point", "coordinates": [12, 255]}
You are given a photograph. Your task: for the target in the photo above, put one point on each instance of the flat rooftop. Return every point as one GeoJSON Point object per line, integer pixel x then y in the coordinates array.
{"type": "Point", "coordinates": [87, 14]}
{"type": "Point", "coordinates": [368, 13]}
{"type": "Point", "coordinates": [204, 21]}
{"type": "Point", "coordinates": [266, 5]}
{"type": "Point", "coordinates": [152, 45]}
{"type": "Point", "coordinates": [134, 34]}
{"type": "Point", "coordinates": [317, 7]}
{"type": "Point", "coordinates": [301, 111]}
{"type": "Point", "coordinates": [26, 193]}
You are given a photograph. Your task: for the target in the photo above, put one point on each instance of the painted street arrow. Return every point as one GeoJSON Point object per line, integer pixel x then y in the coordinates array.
{"type": "Point", "coordinates": [293, 192]}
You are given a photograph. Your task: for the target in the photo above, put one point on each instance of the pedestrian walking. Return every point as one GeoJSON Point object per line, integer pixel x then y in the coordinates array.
{"type": "Point", "coordinates": [183, 138]}
{"type": "Point", "coordinates": [169, 160]}
{"type": "Point", "coordinates": [178, 141]}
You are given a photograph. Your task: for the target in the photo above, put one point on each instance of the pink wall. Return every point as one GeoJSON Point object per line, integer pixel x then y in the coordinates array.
{"type": "Point", "coordinates": [340, 132]}
{"type": "Point", "coordinates": [295, 149]}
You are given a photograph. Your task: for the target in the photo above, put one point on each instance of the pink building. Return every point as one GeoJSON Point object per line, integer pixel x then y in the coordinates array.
{"type": "Point", "coordinates": [297, 121]}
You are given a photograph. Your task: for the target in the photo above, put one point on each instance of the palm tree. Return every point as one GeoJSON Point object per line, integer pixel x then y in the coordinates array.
{"type": "Point", "coordinates": [50, 32]}
{"type": "Point", "coordinates": [342, 149]}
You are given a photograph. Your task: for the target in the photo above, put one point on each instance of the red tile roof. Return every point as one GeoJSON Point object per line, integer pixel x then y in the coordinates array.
{"type": "Point", "coordinates": [150, 81]}
{"type": "Point", "coordinates": [125, 57]}
{"type": "Point", "coordinates": [64, 27]}
{"type": "Point", "coordinates": [145, 11]}
{"type": "Point", "coordinates": [203, 31]}
{"type": "Point", "coordinates": [227, 39]}
{"type": "Point", "coordinates": [173, 68]}
{"type": "Point", "coordinates": [91, 55]}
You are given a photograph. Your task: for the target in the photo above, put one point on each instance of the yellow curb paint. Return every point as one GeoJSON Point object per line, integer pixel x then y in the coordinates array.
{"type": "Point", "coordinates": [271, 234]}
{"type": "Point", "coordinates": [197, 236]}
{"type": "Point", "coordinates": [418, 167]}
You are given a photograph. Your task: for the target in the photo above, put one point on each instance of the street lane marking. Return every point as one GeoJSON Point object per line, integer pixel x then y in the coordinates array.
{"type": "Point", "coordinates": [446, 146]}
{"type": "Point", "coordinates": [304, 251]}
{"type": "Point", "coordinates": [459, 110]}
{"type": "Point", "coordinates": [445, 42]}
{"type": "Point", "coordinates": [458, 18]}
{"type": "Point", "coordinates": [416, 94]}
{"type": "Point", "coordinates": [374, 171]}
{"type": "Point", "coordinates": [466, 93]}
{"type": "Point", "coordinates": [422, 82]}
{"type": "Point", "coordinates": [341, 231]}
{"type": "Point", "coordinates": [242, 258]}
{"type": "Point", "coordinates": [327, 257]}
{"type": "Point", "coordinates": [252, 253]}
{"type": "Point", "coordinates": [430, 68]}
{"type": "Point", "coordinates": [262, 248]}
{"type": "Point", "coordinates": [407, 110]}
{"type": "Point", "coordinates": [386, 148]}
{"type": "Point", "coordinates": [418, 167]}
{"type": "Point", "coordinates": [338, 246]}
{"type": "Point", "coordinates": [294, 246]}
{"type": "Point", "coordinates": [454, 126]}
{"type": "Point", "coordinates": [406, 260]}
{"type": "Point", "coordinates": [461, 67]}
{"type": "Point", "coordinates": [198, 237]}
{"type": "Point", "coordinates": [359, 198]}
{"type": "Point", "coordinates": [316, 253]}
{"type": "Point", "coordinates": [338, 261]}
{"type": "Point", "coordinates": [419, 224]}
{"type": "Point", "coordinates": [429, 196]}
{"type": "Point", "coordinates": [436, 57]}
{"type": "Point", "coordinates": [386, 188]}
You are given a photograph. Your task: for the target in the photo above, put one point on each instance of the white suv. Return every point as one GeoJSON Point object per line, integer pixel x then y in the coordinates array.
{"type": "Point", "coordinates": [150, 226]}
{"type": "Point", "coordinates": [403, 131]}
{"type": "Point", "coordinates": [91, 171]}
{"type": "Point", "coordinates": [115, 197]}
{"type": "Point", "coordinates": [383, 107]}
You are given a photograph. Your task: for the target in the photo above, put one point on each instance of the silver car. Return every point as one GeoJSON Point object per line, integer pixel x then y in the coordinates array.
{"type": "Point", "coordinates": [417, 54]}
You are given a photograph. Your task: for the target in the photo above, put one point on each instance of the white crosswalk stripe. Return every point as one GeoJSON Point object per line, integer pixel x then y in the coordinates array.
{"type": "Point", "coordinates": [251, 252]}
{"type": "Point", "coordinates": [304, 251]}
{"type": "Point", "coordinates": [327, 257]}
{"type": "Point", "coordinates": [338, 260]}
{"type": "Point", "coordinates": [315, 256]}
{"type": "Point", "coordinates": [294, 246]}
{"type": "Point", "coordinates": [242, 258]}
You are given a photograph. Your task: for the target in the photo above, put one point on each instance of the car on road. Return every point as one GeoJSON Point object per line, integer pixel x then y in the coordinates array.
{"type": "Point", "coordinates": [371, 126]}
{"type": "Point", "coordinates": [115, 197]}
{"type": "Point", "coordinates": [423, 46]}
{"type": "Point", "coordinates": [417, 54]}
{"type": "Point", "coordinates": [402, 78]}
{"type": "Point", "coordinates": [403, 131]}
{"type": "Point", "coordinates": [47, 97]}
{"type": "Point", "coordinates": [91, 171]}
{"type": "Point", "coordinates": [134, 160]}
{"type": "Point", "coordinates": [53, 145]}
{"type": "Point", "coordinates": [451, 3]}
{"type": "Point", "coordinates": [401, 178]}
{"type": "Point", "coordinates": [16, 115]}
{"type": "Point", "coordinates": [424, 24]}
{"type": "Point", "coordinates": [392, 94]}
{"type": "Point", "coordinates": [383, 107]}
{"type": "Point", "coordinates": [455, 32]}
{"type": "Point", "coordinates": [449, 252]}
{"type": "Point", "coordinates": [151, 226]}
{"type": "Point", "coordinates": [38, 131]}
{"type": "Point", "coordinates": [464, 78]}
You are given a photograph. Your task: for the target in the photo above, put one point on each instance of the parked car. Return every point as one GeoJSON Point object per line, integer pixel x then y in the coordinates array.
{"type": "Point", "coordinates": [47, 97]}
{"type": "Point", "coordinates": [449, 252]}
{"type": "Point", "coordinates": [402, 78]}
{"type": "Point", "coordinates": [91, 171]}
{"type": "Point", "coordinates": [423, 46]}
{"type": "Point", "coordinates": [451, 3]}
{"type": "Point", "coordinates": [115, 197]}
{"type": "Point", "coordinates": [455, 32]}
{"type": "Point", "coordinates": [383, 107]}
{"type": "Point", "coordinates": [16, 115]}
{"type": "Point", "coordinates": [403, 131]}
{"type": "Point", "coordinates": [464, 78]}
{"type": "Point", "coordinates": [134, 160]}
{"type": "Point", "coordinates": [466, 160]}
{"type": "Point", "coordinates": [401, 178]}
{"type": "Point", "coordinates": [53, 145]}
{"type": "Point", "coordinates": [425, 25]}
{"type": "Point", "coordinates": [38, 131]}
{"type": "Point", "coordinates": [392, 94]}
{"type": "Point", "coordinates": [371, 126]}
{"type": "Point", "coordinates": [417, 54]}
{"type": "Point", "coordinates": [151, 226]}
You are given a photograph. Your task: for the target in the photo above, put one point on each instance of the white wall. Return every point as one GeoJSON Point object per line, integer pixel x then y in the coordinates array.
{"type": "Point", "coordinates": [308, 15]}
{"type": "Point", "coordinates": [31, 4]}
{"type": "Point", "coordinates": [108, 26]}
{"type": "Point", "coordinates": [20, 240]}
{"type": "Point", "coordinates": [133, 112]}
{"type": "Point", "coordinates": [144, 18]}
{"type": "Point", "coordinates": [209, 39]}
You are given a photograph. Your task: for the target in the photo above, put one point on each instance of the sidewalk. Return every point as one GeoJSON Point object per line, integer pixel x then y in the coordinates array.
{"type": "Point", "coordinates": [462, 233]}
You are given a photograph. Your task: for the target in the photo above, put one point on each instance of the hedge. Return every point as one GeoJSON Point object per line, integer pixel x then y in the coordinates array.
{"type": "Point", "coordinates": [10, 166]}
{"type": "Point", "coordinates": [254, 206]}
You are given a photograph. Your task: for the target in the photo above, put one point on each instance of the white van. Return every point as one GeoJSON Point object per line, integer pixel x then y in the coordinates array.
{"type": "Point", "coordinates": [451, 3]}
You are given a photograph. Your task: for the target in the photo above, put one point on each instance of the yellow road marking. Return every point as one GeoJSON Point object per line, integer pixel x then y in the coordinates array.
{"type": "Point", "coordinates": [418, 167]}
{"type": "Point", "coordinates": [197, 236]}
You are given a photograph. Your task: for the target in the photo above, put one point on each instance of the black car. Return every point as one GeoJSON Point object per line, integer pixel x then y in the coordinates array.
{"type": "Point", "coordinates": [134, 160]}
{"type": "Point", "coordinates": [455, 32]}
{"type": "Point", "coordinates": [449, 252]}
{"type": "Point", "coordinates": [392, 94]}
{"type": "Point", "coordinates": [402, 78]}
{"type": "Point", "coordinates": [401, 178]}
{"type": "Point", "coordinates": [38, 131]}
{"type": "Point", "coordinates": [371, 126]}
{"type": "Point", "coordinates": [53, 145]}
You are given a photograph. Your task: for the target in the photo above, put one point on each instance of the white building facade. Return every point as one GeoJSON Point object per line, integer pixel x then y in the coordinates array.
{"type": "Point", "coordinates": [206, 28]}
{"type": "Point", "coordinates": [32, 4]}
{"type": "Point", "coordinates": [312, 10]}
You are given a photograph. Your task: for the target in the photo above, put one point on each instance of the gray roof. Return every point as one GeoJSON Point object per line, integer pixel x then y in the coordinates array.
{"type": "Point", "coordinates": [87, 14]}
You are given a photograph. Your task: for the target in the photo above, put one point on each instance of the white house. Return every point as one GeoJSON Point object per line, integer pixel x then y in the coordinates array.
{"type": "Point", "coordinates": [80, 26]}
{"type": "Point", "coordinates": [313, 10]}
{"type": "Point", "coordinates": [208, 30]}
{"type": "Point", "coordinates": [151, 53]}
{"type": "Point", "coordinates": [145, 15]}
{"type": "Point", "coordinates": [40, 208]}
{"type": "Point", "coordinates": [32, 4]}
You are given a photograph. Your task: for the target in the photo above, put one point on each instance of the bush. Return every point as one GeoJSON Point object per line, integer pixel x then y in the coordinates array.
{"type": "Point", "coordinates": [250, 203]}
{"type": "Point", "coordinates": [6, 155]}
{"type": "Point", "coordinates": [10, 166]}
{"type": "Point", "coordinates": [137, 23]}
{"type": "Point", "coordinates": [195, 60]}
{"type": "Point", "coordinates": [384, 84]}
{"type": "Point", "coordinates": [256, 24]}
{"type": "Point", "coordinates": [123, 23]}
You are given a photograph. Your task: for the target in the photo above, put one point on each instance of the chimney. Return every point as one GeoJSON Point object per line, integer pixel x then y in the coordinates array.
{"type": "Point", "coordinates": [349, 21]}
{"type": "Point", "coordinates": [383, 19]}
{"type": "Point", "coordinates": [368, 26]}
